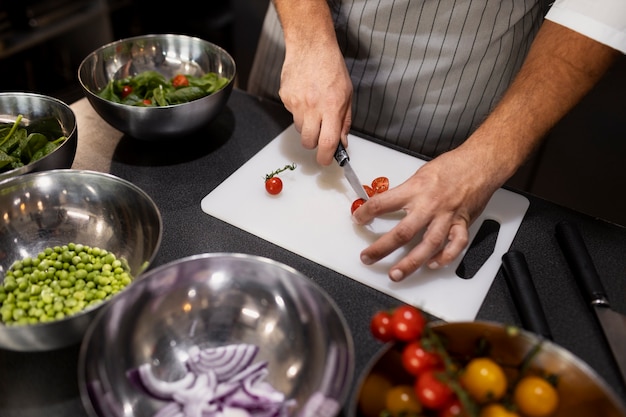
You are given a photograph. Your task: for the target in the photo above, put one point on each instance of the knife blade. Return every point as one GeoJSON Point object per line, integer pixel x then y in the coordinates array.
{"type": "Point", "coordinates": [613, 323]}
{"type": "Point", "coordinates": [342, 158]}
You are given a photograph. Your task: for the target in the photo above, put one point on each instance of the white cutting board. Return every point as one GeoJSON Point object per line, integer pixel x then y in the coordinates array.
{"type": "Point", "coordinates": [311, 217]}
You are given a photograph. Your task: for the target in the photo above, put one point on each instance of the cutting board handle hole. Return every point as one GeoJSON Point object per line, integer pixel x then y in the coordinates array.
{"type": "Point", "coordinates": [480, 249]}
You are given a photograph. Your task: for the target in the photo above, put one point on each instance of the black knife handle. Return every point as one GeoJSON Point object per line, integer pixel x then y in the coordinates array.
{"type": "Point", "coordinates": [341, 155]}
{"type": "Point", "coordinates": [573, 246]}
{"type": "Point", "coordinates": [525, 294]}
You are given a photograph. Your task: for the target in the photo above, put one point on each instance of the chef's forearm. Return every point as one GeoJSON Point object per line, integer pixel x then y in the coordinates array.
{"type": "Point", "coordinates": [306, 23]}
{"type": "Point", "coordinates": [561, 67]}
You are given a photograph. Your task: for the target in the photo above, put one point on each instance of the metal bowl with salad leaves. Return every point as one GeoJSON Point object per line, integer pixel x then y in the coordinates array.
{"type": "Point", "coordinates": [37, 133]}
{"type": "Point", "coordinates": [158, 86]}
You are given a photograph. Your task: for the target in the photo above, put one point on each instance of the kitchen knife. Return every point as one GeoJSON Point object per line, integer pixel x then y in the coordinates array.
{"type": "Point", "coordinates": [342, 158]}
{"type": "Point", "coordinates": [613, 323]}
{"type": "Point", "coordinates": [524, 293]}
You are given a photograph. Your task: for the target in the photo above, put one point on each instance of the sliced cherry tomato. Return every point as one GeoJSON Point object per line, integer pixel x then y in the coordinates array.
{"type": "Point", "coordinates": [484, 380]}
{"type": "Point", "coordinates": [369, 190]}
{"type": "Point", "coordinates": [356, 204]}
{"type": "Point", "coordinates": [380, 184]}
{"type": "Point", "coordinates": [432, 392]}
{"type": "Point", "coordinates": [147, 102]}
{"type": "Point", "coordinates": [180, 81]}
{"type": "Point", "coordinates": [407, 323]}
{"type": "Point", "coordinates": [416, 359]}
{"type": "Point", "coordinates": [126, 90]}
{"type": "Point", "coordinates": [400, 400]}
{"type": "Point", "coordinates": [534, 396]}
{"type": "Point", "coordinates": [497, 410]}
{"type": "Point", "coordinates": [273, 185]}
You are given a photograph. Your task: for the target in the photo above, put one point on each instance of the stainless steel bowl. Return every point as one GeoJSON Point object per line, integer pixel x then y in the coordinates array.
{"type": "Point", "coordinates": [56, 207]}
{"type": "Point", "coordinates": [169, 55]}
{"type": "Point", "coordinates": [581, 390]}
{"type": "Point", "coordinates": [212, 300]}
{"type": "Point", "coordinates": [38, 108]}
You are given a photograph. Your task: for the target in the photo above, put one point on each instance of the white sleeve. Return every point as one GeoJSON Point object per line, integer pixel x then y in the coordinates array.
{"type": "Point", "coordinates": [601, 20]}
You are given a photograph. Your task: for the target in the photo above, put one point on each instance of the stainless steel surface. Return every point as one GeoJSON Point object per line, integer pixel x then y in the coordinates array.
{"type": "Point", "coordinates": [216, 299]}
{"type": "Point", "coordinates": [581, 391]}
{"type": "Point", "coordinates": [57, 207]}
{"type": "Point", "coordinates": [342, 158]}
{"type": "Point", "coordinates": [35, 107]}
{"type": "Point", "coordinates": [613, 323]}
{"type": "Point", "coordinates": [168, 54]}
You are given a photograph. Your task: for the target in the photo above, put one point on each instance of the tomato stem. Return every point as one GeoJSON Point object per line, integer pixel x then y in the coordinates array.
{"type": "Point", "coordinates": [290, 167]}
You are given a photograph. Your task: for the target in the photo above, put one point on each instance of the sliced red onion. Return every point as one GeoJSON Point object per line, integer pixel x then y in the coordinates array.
{"type": "Point", "coordinates": [171, 409]}
{"type": "Point", "coordinates": [221, 382]}
{"type": "Point", "coordinates": [225, 361]}
{"type": "Point", "coordinates": [160, 388]}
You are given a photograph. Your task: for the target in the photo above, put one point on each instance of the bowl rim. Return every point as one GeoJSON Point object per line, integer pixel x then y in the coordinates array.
{"type": "Point", "coordinates": [136, 276]}
{"type": "Point", "coordinates": [92, 94]}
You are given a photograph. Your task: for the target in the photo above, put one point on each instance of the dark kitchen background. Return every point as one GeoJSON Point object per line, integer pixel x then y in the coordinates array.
{"type": "Point", "coordinates": [42, 42]}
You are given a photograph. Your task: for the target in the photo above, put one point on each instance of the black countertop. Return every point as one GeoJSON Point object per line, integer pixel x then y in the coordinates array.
{"type": "Point", "coordinates": [178, 175]}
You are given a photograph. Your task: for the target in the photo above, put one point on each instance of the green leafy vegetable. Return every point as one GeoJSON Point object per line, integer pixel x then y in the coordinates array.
{"type": "Point", "coordinates": [20, 145]}
{"type": "Point", "coordinates": [150, 89]}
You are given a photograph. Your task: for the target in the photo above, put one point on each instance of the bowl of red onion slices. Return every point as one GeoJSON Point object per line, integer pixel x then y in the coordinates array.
{"type": "Point", "coordinates": [217, 335]}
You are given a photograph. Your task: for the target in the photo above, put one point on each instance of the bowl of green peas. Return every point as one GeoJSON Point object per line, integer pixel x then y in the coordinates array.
{"type": "Point", "coordinates": [70, 241]}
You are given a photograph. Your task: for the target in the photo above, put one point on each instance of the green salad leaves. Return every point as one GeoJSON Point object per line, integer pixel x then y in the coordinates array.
{"type": "Point", "coordinates": [21, 145]}
{"type": "Point", "coordinates": [150, 89]}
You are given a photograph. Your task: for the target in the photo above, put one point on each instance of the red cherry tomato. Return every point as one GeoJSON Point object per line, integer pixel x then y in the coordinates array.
{"type": "Point", "coordinates": [453, 408]}
{"type": "Point", "coordinates": [431, 392]}
{"type": "Point", "coordinates": [356, 204]}
{"type": "Point", "coordinates": [416, 359]}
{"type": "Point", "coordinates": [407, 323]}
{"type": "Point", "coordinates": [380, 326]}
{"type": "Point", "coordinates": [369, 190]}
{"type": "Point", "coordinates": [126, 90]}
{"type": "Point", "coordinates": [147, 102]}
{"type": "Point", "coordinates": [380, 184]}
{"type": "Point", "coordinates": [180, 81]}
{"type": "Point", "coordinates": [273, 185]}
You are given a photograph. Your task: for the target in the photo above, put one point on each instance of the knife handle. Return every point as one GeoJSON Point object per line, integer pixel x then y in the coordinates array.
{"type": "Point", "coordinates": [341, 155]}
{"type": "Point", "coordinates": [580, 262]}
{"type": "Point", "coordinates": [525, 294]}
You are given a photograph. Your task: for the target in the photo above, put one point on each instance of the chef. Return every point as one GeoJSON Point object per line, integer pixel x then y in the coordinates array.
{"type": "Point", "coordinates": [475, 85]}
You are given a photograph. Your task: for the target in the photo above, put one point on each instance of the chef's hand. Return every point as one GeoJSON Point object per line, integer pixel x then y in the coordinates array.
{"type": "Point", "coordinates": [316, 88]}
{"type": "Point", "coordinates": [440, 200]}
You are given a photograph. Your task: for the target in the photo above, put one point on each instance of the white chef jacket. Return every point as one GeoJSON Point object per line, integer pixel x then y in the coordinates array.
{"type": "Point", "coordinates": [425, 73]}
{"type": "Point", "coordinates": [600, 20]}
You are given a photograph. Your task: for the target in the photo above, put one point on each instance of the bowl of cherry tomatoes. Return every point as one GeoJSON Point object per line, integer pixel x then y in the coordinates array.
{"type": "Point", "coordinates": [479, 368]}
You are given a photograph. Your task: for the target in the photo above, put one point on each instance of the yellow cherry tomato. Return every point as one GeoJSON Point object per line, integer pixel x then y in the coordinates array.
{"type": "Point", "coordinates": [401, 400]}
{"type": "Point", "coordinates": [534, 396]}
{"type": "Point", "coordinates": [373, 394]}
{"type": "Point", "coordinates": [484, 380]}
{"type": "Point", "coordinates": [496, 410]}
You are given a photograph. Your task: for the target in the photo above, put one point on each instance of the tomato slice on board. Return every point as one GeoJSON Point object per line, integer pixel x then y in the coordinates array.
{"type": "Point", "coordinates": [356, 204]}
{"type": "Point", "coordinates": [380, 184]}
{"type": "Point", "coordinates": [369, 190]}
